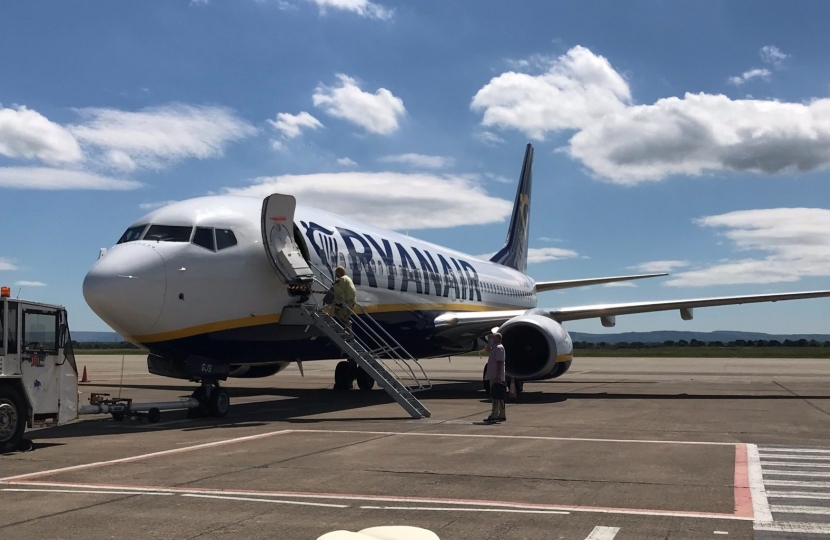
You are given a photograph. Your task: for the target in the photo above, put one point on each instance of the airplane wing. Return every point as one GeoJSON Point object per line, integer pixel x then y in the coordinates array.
{"type": "Point", "coordinates": [542, 286]}
{"type": "Point", "coordinates": [476, 323]}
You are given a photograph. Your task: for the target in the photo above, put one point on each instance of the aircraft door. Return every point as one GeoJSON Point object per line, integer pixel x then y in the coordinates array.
{"type": "Point", "coordinates": [278, 239]}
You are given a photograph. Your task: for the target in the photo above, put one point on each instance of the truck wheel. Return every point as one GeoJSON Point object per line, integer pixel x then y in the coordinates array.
{"type": "Point", "coordinates": [12, 419]}
{"type": "Point", "coordinates": [153, 415]}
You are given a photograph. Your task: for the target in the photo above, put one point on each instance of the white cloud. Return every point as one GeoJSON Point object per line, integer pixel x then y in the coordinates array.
{"type": "Point", "coordinates": [120, 160]}
{"type": "Point", "coordinates": [498, 178]}
{"type": "Point", "coordinates": [540, 255]}
{"type": "Point", "coordinates": [756, 73]}
{"type": "Point", "coordinates": [620, 284]}
{"type": "Point", "coordinates": [7, 264]}
{"type": "Point", "coordinates": [773, 55]}
{"type": "Point", "coordinates": [420, 161]}
{"type": "Point", "coordinates": [155, 205]}
{"type": "Point", "coordinates": [60, 179]}
{"type": "Point", "coordinates": [578, 89]}
{"type": "Point", "coordinates": [277, 145]}
{"type": "Point", "coordinates": [549, 239]}
{"type": "Point", "coordinates": [376, 113]}
{"type": "Point", "coordinates": [489, 138]}
{"type": "Point", "coordinates": [27, 134]}
{"type": "Point", "coordinates": [364, 8]}
{"type": "Point", "coordinates": [158, 136]}
{"type": "Point", "coordinates": [390, 200]}
{"type": "Point", "coordinates": [629, 144]}
{"type": "Point", "coordinates": [346, 162]}
{"type": "Point", "coordinates": [291, 125]}
{"type": "Point", "coordinates": [659, 266]}
{"type": "Point", "coordinates": [30, 284]}
{"type": "Point", "coordinates": [793, 243]}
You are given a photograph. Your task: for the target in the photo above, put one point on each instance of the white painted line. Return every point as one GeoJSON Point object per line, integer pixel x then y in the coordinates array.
{"type": "Point", "coordinates": [794, 464]}
{"type": "Point", "coordinates": [86, 491]}
{"type": "Point", "coordinates": [797, 484]}
{"type": "Point", "coordinates": [251, 499]}
{"type": "Point", "coordinates": [794, 527]}
{"type": "Point", "coordinates": [799, 457]}
{"type": "Point", "coordinates": [603, 533]}
{"type": "Point", "coordinates": [438, 509]}
{"type": "Point", "coordinates": [814, 474]}
{"type": "Point", "coordinates": [399, 500]}
{"type": "Point", "coordinates": [798, 495]}
{"type": "Point", "coordinates": [785, 509]}
{"type": "Point", "coordinates": [721, 532]}
{"type": "Point", "coordinates": [797, 450]}
{"type": "Point", "coordinates": [144, 456]}
{"type": "Point", "coordinates": [518, 437]}
{"type": "Point", "coordinates": [760, 504]}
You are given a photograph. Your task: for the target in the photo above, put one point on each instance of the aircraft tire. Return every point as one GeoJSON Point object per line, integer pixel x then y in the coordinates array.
{"type": "Point", "coordinates": [343, 376]}
{"type": "Point", "coordinates": [218, 403]}
{"type": "Point", "coordinates": [153, 415]}
{"type": "Point", "coordinates": [364, 381]}
{"type": "Point", "coordinates": [485, 383]}
{"type": "Point", "coordinates": [12, 419]}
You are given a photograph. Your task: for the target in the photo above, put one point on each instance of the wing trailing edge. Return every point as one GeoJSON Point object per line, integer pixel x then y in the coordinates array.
{"type": "Point", "coordinates": [542, 286]}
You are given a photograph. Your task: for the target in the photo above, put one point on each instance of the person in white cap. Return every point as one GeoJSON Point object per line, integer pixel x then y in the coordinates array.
{"type": "Point", "coordinates": [495, 374]}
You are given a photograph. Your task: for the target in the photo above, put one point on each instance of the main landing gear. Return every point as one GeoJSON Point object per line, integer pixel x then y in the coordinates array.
{"type": "Point", "coordinates": [213, 401]}
{"type": "Point", "coordinates": [347, 372]}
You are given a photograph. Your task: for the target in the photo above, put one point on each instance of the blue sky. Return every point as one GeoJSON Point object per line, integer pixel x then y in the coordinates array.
{"type": "Point", "coordinates": [689, 137]}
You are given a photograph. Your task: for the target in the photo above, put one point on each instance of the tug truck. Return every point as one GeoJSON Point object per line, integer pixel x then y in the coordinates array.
{"type": "Point", "coordinates": [38, 374]}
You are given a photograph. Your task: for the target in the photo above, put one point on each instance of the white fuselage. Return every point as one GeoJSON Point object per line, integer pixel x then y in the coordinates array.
{"type": "Point", "coordinates": [171, 296]}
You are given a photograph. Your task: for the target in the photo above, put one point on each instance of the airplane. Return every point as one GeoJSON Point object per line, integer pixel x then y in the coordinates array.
{"type": "Point", "coordinates": [202, 285]}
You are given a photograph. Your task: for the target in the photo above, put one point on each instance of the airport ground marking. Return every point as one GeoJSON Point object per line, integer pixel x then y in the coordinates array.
{"type": "Point", "coordinates": [132, 459]}
{"type": "Point", "coordinates": [99, 492]}
{"type": "Point", "coordinates": [800, 457]}
{"type": "Point", "coordinates": [445, 509]}
{"type": "Point", "coordinates": [273, 501]}
{"type": "Point", "coordinates": [793, 527]}
{"type": "Point", "coordinates": [742, 486]}
{"type": "Point", "coordinates": [393, 499]}
{"type": "Point", "coordinates": [787, 509]}
{"type": "Point", "coordinates": [787, 450]}
{"type": "Point", "coordinates": [797, 484]}
{"type": "Point", "coordinates": [757, 489]}
{"type": "Point", "coordinates": [813, 474]}
{"type": "Point", "coordinates": [798, 495]}
{"type": "Point", "coordinates": [795, 464]}
{"type": "Point", "coordinates": [603, 533]}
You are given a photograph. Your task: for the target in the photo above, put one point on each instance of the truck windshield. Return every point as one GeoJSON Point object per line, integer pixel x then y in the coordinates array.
{"type": "Point", "coordinates": [132, 234]}
{"type": "Point", "coordinates": [168, 233]}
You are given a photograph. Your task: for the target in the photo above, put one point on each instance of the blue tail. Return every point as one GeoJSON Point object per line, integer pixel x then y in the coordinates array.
{"type": "Point", "coordinates": [514, 252]}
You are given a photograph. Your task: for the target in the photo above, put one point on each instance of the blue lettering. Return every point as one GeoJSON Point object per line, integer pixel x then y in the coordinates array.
{"type": "Point", "coordinates": [408, 271]}
{"type": "Point", "coordinates": [388, 259]}
{"type": "Point", "coordinates": [360, 261]}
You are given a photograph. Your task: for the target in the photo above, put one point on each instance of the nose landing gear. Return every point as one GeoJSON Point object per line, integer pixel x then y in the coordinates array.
{"type": "Point", "coordinates": [213, 401]}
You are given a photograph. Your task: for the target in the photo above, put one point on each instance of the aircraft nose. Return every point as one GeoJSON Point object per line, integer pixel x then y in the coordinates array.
{"type": "Point", "coordinates": [126, 288]}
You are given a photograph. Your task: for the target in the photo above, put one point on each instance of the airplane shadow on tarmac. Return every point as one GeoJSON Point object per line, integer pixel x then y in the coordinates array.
{"type": "Point", "coordinates": [296, 405]}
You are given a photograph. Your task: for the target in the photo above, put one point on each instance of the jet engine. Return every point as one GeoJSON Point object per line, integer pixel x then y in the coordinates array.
{"type": "Point", "coordinates": [248, 371]}
{"type": "Point", "coordinates": [536, 347]}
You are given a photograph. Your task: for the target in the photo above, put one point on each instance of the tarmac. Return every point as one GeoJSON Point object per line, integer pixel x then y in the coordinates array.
{"type": "Point", "coordinates": [617, 449]}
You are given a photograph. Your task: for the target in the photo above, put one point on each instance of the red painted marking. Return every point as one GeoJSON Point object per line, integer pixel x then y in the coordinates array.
{"type": "Point", "coordinates": [278, 219]}
{"type": "Point", "coordinates": [743, 495]}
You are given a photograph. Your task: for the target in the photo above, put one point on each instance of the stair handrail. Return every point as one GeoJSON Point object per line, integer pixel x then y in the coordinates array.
{"type": "Point", "coordinates": [393, 351]}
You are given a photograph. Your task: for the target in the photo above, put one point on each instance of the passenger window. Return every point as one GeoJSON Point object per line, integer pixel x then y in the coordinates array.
{"type": "Point", "coordinates": [40, 331]}
{"type": "Point", "coordinates": [132, 234]}
{"type": "Point", "coordinates": [341, 260]}
{"type": "Point", "coordinates": [168, 233]}
{"type": "Point", "coordinates": [225, 239]}
{"type": "Point", "coordinates": [12, 328]}
{"type": "Point", "coordinates": [204, 238]}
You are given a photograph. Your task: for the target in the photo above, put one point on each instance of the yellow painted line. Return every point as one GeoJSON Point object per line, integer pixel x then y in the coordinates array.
{"type": "Point", "coordinates": [275, 318]}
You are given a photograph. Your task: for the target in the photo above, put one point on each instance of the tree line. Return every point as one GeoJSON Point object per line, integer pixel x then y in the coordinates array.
{"type": "Point", "coordinates": [699, 343]}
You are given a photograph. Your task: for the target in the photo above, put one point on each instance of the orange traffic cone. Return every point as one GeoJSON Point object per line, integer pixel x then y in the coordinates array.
{"type": "Point", "coordinates": [83, 377]}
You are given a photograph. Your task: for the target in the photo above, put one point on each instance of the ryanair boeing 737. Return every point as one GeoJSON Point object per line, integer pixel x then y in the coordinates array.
{"type": "Point", "coordinates": [209, 287]}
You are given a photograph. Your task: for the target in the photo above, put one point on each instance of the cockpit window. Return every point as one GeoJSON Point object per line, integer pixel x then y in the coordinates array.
{"type": "Point", "coordinates": [132, 234]}
{"type": "Point", "coordinates": [168, 233]}
{"type": "Point", "coordinates": [204, 238]}
{"type": "Point", "coordinates": [225, 238]}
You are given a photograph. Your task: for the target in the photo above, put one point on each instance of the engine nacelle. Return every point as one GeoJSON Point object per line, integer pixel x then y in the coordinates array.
{"type": "Point", "coordinates": [536, 347]}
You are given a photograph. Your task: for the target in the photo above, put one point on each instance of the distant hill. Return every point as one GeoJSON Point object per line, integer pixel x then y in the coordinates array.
{"type": "Point", "coordinates": [656, 336]}
{"type": "Point", "coordinates": [100, 337]}
{"type": "Point", "coordinates": [659, 336]}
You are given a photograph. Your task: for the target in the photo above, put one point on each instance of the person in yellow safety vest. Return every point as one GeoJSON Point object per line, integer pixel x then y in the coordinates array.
{"type": "Point", "coordinates": [345, 297]}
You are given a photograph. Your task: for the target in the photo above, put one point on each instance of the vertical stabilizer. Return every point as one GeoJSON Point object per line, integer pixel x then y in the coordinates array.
{"type": "Point", "coordinates": [514, 252]}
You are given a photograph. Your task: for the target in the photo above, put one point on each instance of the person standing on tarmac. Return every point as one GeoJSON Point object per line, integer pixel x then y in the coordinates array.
{"type": "Point", "coordinates": [345, 298]}
{"type": "Point", "coordinates": [495, 374]}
